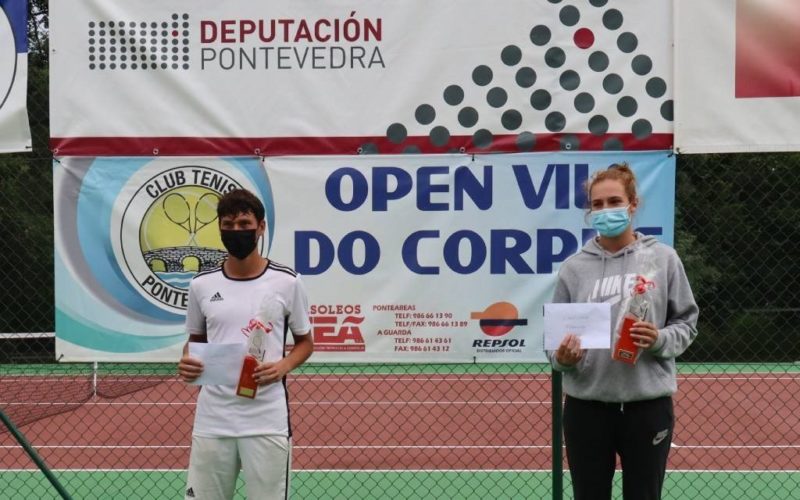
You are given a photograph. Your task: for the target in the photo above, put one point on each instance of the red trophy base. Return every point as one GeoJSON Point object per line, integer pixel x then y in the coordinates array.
{"type": "Point", "coordinates": [247, 385]}
{"type": "Point", "coordinates": [625, 350]}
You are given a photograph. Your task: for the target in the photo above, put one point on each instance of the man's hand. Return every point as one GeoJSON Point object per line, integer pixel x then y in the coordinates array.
{"type": "Point", "coordinates": [268, 373]}
{"type": "Point", "coordinates": [189, 368]}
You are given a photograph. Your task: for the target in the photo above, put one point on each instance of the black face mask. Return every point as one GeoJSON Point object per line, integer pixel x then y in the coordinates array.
{"type": "Point", "coordinates": [241, 243]}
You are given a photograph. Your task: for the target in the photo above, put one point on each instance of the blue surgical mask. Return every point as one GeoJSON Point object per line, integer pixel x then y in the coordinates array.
{"type": "Point", "coordinates": [611, 222]}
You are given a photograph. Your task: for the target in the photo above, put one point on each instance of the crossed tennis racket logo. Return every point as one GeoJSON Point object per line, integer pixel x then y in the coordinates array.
{"type": "Point", "coordinates": [191, 218]}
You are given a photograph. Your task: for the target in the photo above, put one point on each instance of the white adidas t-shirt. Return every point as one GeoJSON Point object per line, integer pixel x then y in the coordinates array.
{"type": "Point", "coordinates": [222, 308]}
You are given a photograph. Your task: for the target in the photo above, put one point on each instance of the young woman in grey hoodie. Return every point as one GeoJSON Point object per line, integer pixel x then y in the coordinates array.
{"type": "Point", "coordinates": [612, 407]}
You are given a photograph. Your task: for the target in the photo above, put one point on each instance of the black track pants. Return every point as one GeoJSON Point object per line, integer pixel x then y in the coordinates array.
{"type": "Point", "coordinates": [639, 432]}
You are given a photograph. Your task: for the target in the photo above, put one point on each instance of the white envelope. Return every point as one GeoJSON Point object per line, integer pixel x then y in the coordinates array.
{"type": "Point", "coordinates": [222, 363]}
{"type": "Point", "coordinates": [589, 321]}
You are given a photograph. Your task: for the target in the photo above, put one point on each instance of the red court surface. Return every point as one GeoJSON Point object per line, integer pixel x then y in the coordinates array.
{"type": "Point", "coordinates": [420, 422]}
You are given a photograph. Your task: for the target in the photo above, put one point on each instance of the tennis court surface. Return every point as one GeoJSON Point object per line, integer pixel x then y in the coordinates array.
{"type": "Point", "coordinates": [400, 432]}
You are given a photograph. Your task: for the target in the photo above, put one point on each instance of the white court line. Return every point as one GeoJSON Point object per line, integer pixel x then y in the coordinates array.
{"type": "Point", "coordinates": [504, 471]}
{"type": "Point", "coordinates": [424, 447]}
{"type": "Point", "coordinates": [414, 378]}
{"type": "Point", "coordinates": [54, 403]}
{"type": "Point", "coordinates": [302, 378]}
{"type": "Point", "coordinates": [298, 403]}
{"type": "Point", "coordinates": [340, 471]}
{"type": "Point", "coordinates": [391, 447]}
{"type": "Point", "coordinates": [511, 447]}
{"type": "Point", "coordinates": [501, 378]}
{"type": "Point", "coordinates": [417, 471]}
{"type": "Point", "coordinates": [296, 447]}
{"type": "Point", "coordinates": [737, 446]}
{"type": "Point", "coordinates": [98, 447]}
{"type": "Point", "coordinates": [732, 378]}
{"type": "Point", "coordinates": [424, 403]}
{"type": "Point", "coordinates": [65, 378]}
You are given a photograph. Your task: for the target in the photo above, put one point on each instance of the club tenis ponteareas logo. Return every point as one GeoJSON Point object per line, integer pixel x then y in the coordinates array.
{"type": "Point", "coordinates": [165, 230]}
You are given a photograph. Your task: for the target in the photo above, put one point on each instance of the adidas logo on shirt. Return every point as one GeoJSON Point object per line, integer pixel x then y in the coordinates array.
{"type": "Point", "coordinates": [217, 297]}
{"type": "Point", "coordinates": [190, 491]}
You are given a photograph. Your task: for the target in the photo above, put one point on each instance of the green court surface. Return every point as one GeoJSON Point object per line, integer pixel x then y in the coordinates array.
{"type": "Point", "coordinates": [384, 485]}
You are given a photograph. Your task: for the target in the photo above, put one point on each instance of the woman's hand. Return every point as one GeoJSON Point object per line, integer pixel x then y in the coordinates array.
{"type": "Point", "coordinates": [569, 353]}
{"type": "Point", "coordinates": [644, 334]}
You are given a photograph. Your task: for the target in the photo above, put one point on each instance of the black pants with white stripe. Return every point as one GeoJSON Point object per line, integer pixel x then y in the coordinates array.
{"type": "Point", "coordinates": [639, 432]}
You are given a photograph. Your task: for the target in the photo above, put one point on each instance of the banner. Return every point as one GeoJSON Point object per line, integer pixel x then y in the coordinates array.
{"type": "Point", "coordinates": [203, 77]}
{"type": "Point", "coordinates": [406, 258]}
{"type": "Point", "coordinates": [737, 75]}
{"type": "Point", "coordinates": [441, 258]}
{"type": "Point", "coordinates": [15, 133]}
{"type": "Point", "coordinates": [130, 233]}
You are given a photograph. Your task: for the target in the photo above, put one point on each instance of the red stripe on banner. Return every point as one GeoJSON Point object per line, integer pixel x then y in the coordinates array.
{"type": "Point", "coordinates": [767, 48]}
{"type": "Point", "coordinates": [279, 146]}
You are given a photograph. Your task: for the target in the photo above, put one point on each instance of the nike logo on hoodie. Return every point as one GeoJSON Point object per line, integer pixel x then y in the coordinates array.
{"type": "Point", "coordinates": [612, 287]}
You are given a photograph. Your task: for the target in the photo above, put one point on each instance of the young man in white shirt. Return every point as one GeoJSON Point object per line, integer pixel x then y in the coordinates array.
{"type": "Point", "coordinates": [225, 304]}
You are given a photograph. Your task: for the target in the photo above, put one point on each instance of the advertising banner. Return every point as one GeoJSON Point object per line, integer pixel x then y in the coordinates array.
{"type": "Point", "coordinates": [405, 258]}
{"type": "Point", "coordinates": [442, 258]}
{"type": "Point", "coordinates": [737, 75]}
{"type": "Point", "coordinates": [15, 133]}
{"type": "Point", "coordinates": [203, 77]}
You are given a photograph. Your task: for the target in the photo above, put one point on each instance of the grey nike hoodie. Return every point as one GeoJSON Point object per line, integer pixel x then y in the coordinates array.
{"type": "Point", "coordinates": [595, 275]}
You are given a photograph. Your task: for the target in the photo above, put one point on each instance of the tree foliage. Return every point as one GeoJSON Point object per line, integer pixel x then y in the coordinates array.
{"type": "Point", "coordinates": [38, 29]}
{"type": "Point", "coordinates": [738, 234]}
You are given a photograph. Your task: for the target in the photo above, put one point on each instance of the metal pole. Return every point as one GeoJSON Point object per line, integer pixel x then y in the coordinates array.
{"type": "Point", "coordinates": [94, 379]}
{"type": "Point", "coordinates": [558, 467]}
{"type": "Point", "coordinates": [34, 456]}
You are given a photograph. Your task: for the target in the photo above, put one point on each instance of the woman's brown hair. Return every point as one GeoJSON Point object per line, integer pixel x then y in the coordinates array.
{"type": "Point", "coordinates": [617, 172]}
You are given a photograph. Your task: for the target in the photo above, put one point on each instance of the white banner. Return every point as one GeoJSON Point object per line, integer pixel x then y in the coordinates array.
{"type": "Point", "coordinates": [441, 258]}
{"type": "Point", "coordinates": [15, 133]}
{"type": "Point", "coordinates": [421, 258]}
{"type": "Point", "coordinates": [737, 75]}
{"type": "Point", "coordinates": [189, 77]}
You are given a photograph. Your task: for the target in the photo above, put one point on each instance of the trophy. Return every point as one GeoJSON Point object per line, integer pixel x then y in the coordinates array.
{"type": "Point", "coordinates": [256, 347]}
{"type": "Point", "coordinates": [625, 349]}
{"type": "Point", "coordinates": [258, 328]}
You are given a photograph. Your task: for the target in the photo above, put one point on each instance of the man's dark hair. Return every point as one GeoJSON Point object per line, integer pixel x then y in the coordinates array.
{"type": "Point", "coordinates": [240, 201]}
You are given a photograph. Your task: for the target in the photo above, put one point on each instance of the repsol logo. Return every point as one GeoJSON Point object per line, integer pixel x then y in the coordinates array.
{"type": "Point", "coordinates": [499, 343]}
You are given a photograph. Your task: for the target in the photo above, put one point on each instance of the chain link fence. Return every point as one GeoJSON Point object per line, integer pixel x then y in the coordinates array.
{"type": "Point", "coordinates": [407, 431]}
